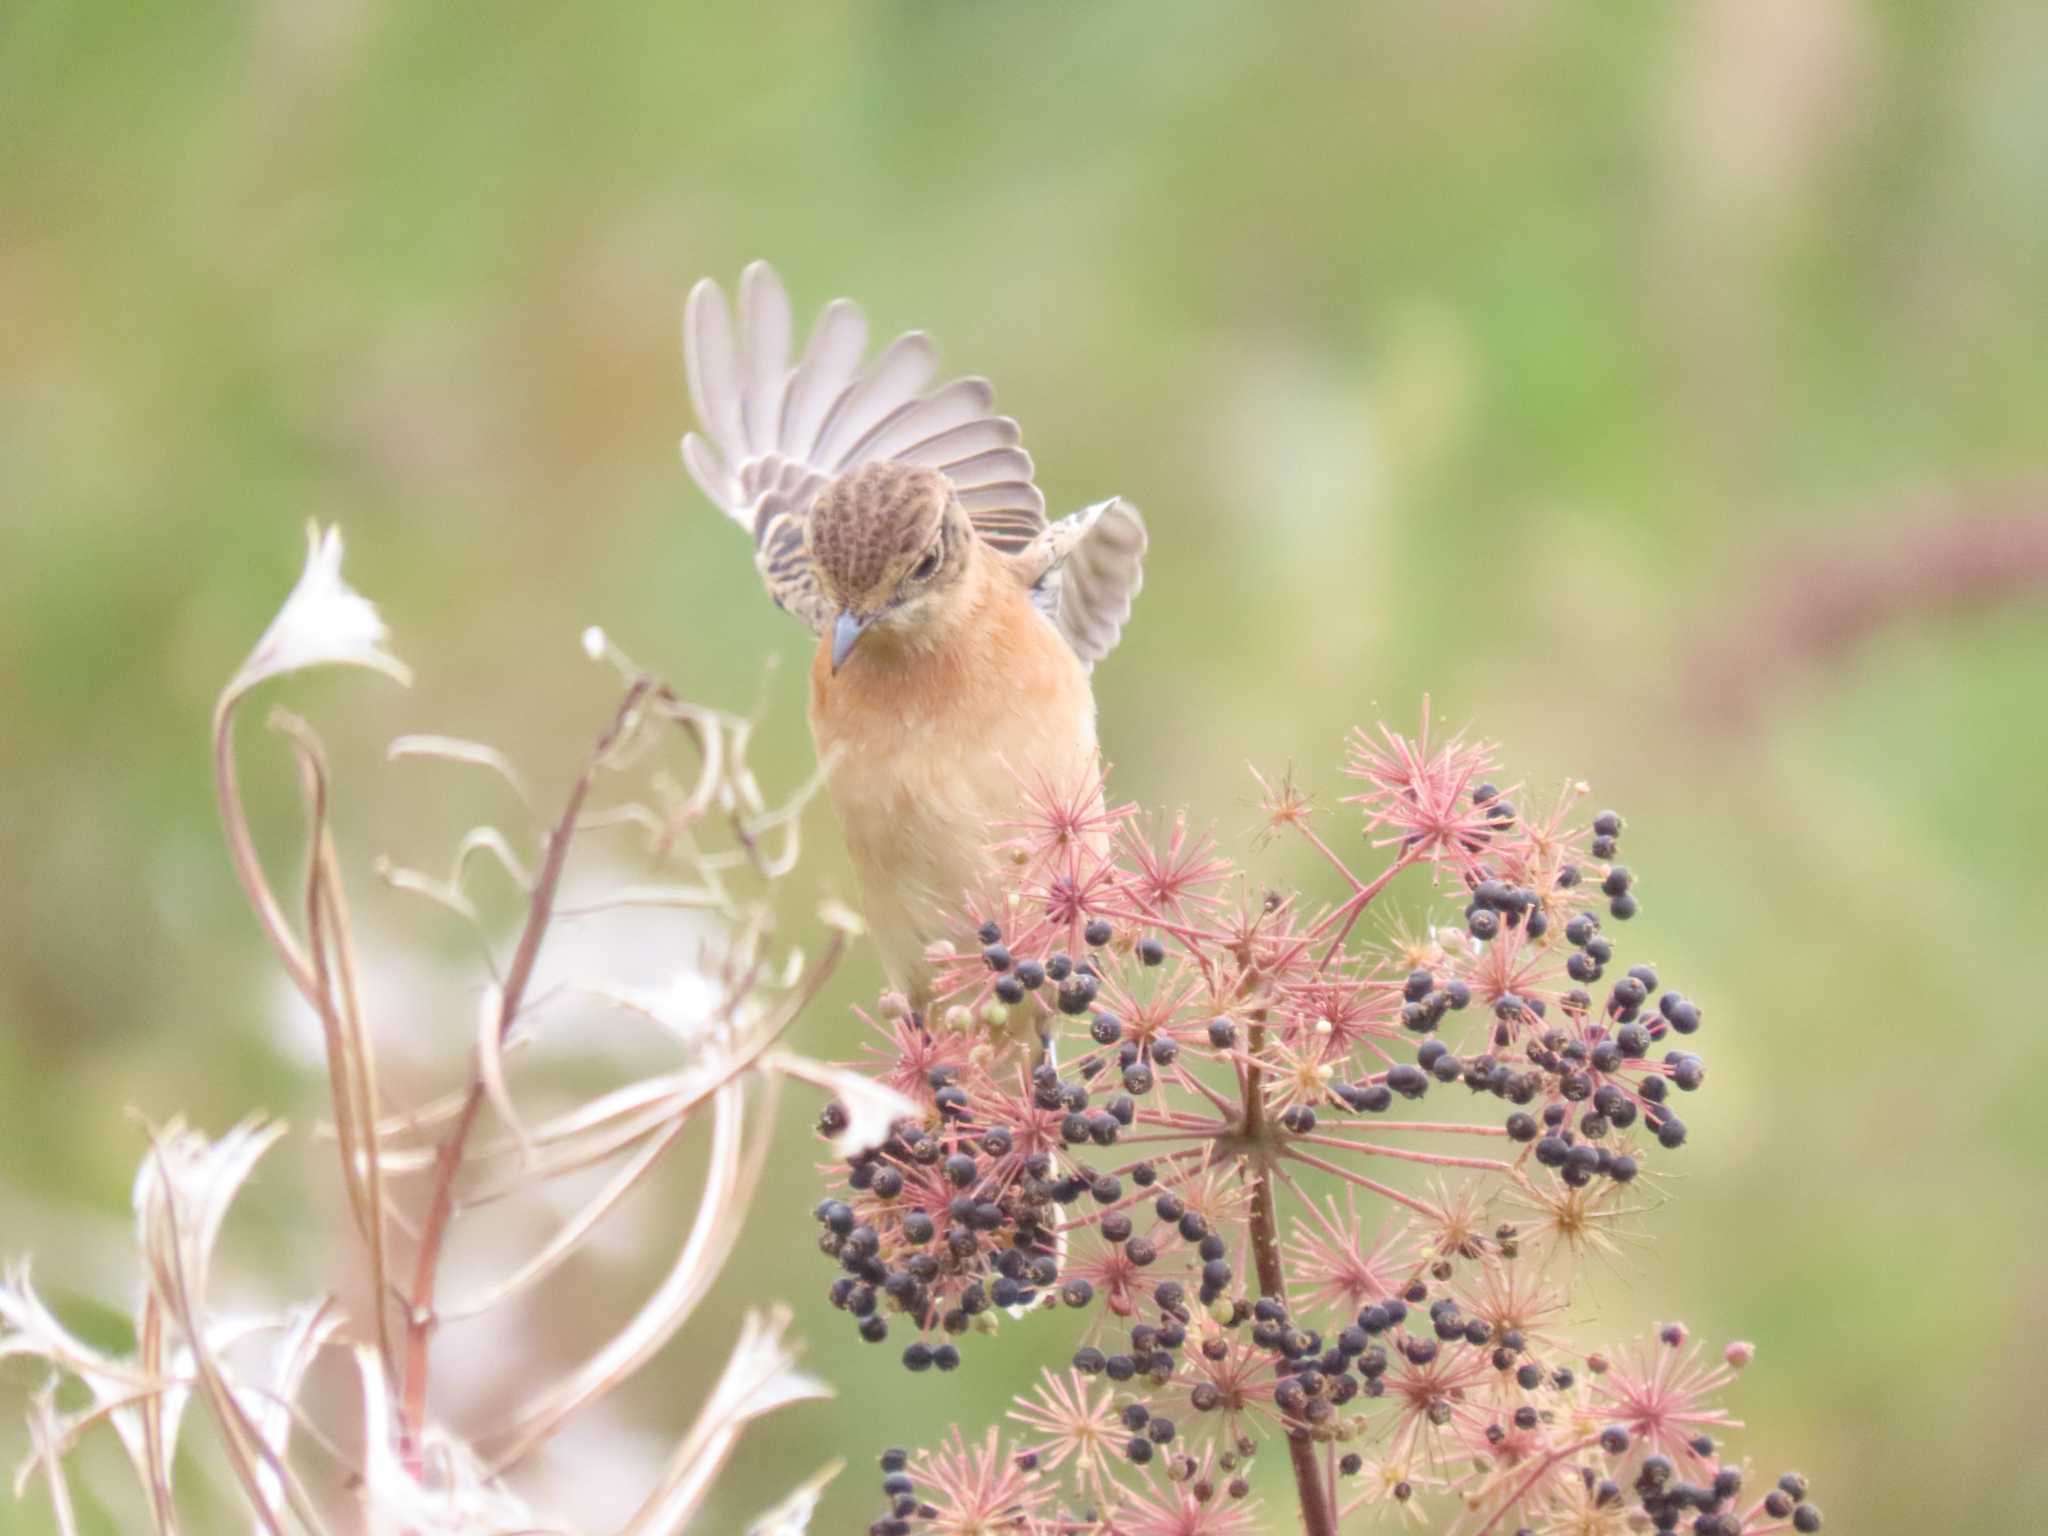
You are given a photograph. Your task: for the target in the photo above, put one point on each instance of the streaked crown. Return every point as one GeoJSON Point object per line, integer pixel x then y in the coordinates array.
{"type": "Point", "coordinates": [871, 526]}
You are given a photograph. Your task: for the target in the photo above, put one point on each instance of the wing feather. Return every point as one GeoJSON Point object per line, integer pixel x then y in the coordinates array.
{"type": "Point", "coordinates": [890, 385]}
{"type": "Point", "coordinates": [1004, 496]}
{"type": "Point", "coordinates": [962, 442]}
{"type": "Point", "coordinates": [783, 560]}
{"type": "Point", "coordinates": [706, 468]}
{"type": "Point", "coordinates": [998, 466]}
{"type": "Point", "coordinates": [765, 325]}
{"type": "Point", "coordinates": [771, 435]}
{"type": "Point", "coordinates": [1085, 572]}
{"type": "Point", "coordinates": [830, 364]}
{"type": "Point", "coordinates": [952, 407]}
{"type": "Point", "coordinates": [713, 366]}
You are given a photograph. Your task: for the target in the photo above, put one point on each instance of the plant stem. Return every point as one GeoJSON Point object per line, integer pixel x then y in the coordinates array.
{"type": "Point", "coordinates": [1353, 909]}
{"type": "Point", "coordinates": [1564, 1453]}
{"type": "Point", "coordinates": [1309, 1488]}
{"type": "Point", "coordinates": [420, 1320]}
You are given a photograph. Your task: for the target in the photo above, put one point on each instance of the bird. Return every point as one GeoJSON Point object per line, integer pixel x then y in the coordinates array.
{"type": "Point", "coordinates": [957, 628]}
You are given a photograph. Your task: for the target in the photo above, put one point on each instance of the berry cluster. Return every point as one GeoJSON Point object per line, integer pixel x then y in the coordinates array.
{"type": "Point", "coordinates": [1133, 1064]}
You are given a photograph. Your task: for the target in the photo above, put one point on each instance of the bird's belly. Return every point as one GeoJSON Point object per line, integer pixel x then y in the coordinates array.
{"type": "Point", "coordinates": [923, 799]}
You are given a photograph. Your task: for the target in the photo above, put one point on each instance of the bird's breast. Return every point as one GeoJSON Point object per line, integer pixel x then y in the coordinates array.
{"type": "Point", "coordinates": [931, 750]}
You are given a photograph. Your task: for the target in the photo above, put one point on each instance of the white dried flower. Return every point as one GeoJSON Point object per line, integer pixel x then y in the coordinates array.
{"type": "Point", "coordinates": [872, 1107]}
{"type": "Point", "coordinates": [759, 1378]}
{"type": "Point", "coordinates": [792, 1517]}
{"type": "Point", "coordinates": [185, 1186]}
{"type": "Point", "coordinates": [454, 1495]}
{"type": "Point", "coordinates": [720, 844]}
{"type": "Point", "coordinates": [688, 1006]}
{"type": "Point", "coordinates": [182, 1194]}
{"type": "Point", "coordinates": [324, 622]}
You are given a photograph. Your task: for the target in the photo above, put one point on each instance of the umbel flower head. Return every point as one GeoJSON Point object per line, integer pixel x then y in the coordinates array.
{"type": "Point", "coordinates": [1296, 1184]}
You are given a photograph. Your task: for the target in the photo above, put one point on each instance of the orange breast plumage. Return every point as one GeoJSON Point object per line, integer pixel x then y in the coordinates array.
{"type": "Point", "coordinates": [932, 742]}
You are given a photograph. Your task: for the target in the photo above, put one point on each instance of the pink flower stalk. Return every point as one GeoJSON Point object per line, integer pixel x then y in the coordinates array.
{"type": "Point", "coordinates": [1146, 1081]}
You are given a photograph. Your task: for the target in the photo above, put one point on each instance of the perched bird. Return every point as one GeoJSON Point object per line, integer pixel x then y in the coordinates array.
{"type": "Point", "coordinates": [956, 627]}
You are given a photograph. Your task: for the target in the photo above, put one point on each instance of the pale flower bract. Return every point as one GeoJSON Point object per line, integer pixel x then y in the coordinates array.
{"type": "Point", "coordinates": [324, 622]}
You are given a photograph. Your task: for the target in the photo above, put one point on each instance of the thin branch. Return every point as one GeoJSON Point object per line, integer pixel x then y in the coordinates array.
{"type": "Point", "coordinates": [351, 1066]}
{"type": "Point", "coordinates": [1309, 1486]}
{"type": "Point", "coordinates": [420, 1317]}
{"type": "Point", "coordinates": [1352, 1176]}
{"type": "Point", "coordinates": [1406, 1154]}
{"type": "Point", "coordinates": [1354, 909]}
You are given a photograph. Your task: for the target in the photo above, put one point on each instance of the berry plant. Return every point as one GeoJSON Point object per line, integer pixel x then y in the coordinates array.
{"type": "Point", "coordinates": [1303, 1190]}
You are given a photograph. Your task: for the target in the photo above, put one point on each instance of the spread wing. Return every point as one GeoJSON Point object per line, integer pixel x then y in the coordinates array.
{"type": "Point", "coordinates": [775, 433]}
{"type": "Point", "coordinates": [1085, 570]}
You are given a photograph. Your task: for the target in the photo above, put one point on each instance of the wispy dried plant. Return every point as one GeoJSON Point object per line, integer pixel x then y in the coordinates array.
{"type": "Point", "coordinates": [668, 775]}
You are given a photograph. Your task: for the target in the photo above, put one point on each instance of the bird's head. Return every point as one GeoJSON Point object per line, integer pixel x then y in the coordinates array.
{"type": "Point", "coordinates": [890, 544]}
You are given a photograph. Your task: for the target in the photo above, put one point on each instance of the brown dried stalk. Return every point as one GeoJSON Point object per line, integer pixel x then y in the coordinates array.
{"type": "Point", "coordinates": [426, 1265]}
{"type": "Point", "coordinates": [719, 842]}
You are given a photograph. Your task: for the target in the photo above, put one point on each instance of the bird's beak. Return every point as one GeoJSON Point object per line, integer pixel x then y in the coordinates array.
{"type": "Point", "coordinates": [846, 629]}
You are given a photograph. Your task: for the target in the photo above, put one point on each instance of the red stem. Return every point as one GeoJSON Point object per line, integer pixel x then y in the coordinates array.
{"type": "Point", "coordinates": [1353, 909]}
{"type": "Point", "coordinates": [1521, 1489]}
{"type": "Point", "coordinates": [1317, 1518]}
{"type": "Point", "coordinates": [420, 1321]}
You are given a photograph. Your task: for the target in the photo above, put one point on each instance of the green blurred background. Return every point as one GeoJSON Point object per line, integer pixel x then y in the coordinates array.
{"type": "Point", "coordinates": [1662, 388]}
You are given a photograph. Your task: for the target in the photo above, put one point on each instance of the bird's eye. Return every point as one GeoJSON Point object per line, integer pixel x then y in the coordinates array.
{"type": "Point", "coordinates": [924, 568]}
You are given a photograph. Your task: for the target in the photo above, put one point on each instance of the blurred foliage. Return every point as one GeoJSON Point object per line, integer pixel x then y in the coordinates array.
{"type": "Point", "coordinates": [1512, 352]}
